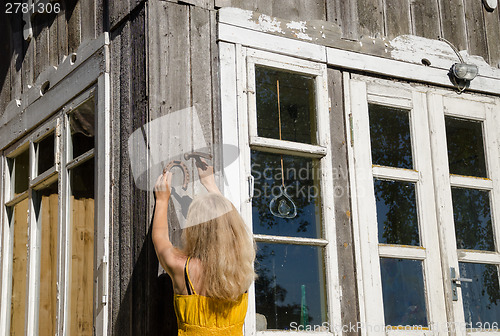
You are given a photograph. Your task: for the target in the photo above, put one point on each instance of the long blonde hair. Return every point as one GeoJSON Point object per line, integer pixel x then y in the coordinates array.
{"type": "Point", "coordinates": [222, 244]}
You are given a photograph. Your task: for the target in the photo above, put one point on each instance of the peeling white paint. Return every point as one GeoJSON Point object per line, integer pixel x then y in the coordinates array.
{"type": "Point", "coordinates": [270, 24]}
{"type": "Point", "coordinates": [299, 29]}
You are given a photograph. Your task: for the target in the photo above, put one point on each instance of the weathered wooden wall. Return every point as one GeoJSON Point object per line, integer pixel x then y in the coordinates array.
{"type": "Point", "coordinates": [55, 36]}
{"type": "Point", "coordinates": [465, 23]}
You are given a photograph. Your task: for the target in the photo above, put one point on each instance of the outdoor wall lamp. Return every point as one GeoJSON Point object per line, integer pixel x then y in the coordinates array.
{"type": "Point", "coordinates": [461, 73]}
{"type": "Point", "coordinates": [464, 71]}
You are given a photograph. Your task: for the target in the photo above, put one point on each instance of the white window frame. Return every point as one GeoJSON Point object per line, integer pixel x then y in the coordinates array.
{"type": "Point", "coordinates": [57, 122]}
{"type": "Point", "coordinates": [239, 128]}
{"type": "Point", "coordinates": [471, 108]}
{"type": "Point", "coordinates": [428, 107]}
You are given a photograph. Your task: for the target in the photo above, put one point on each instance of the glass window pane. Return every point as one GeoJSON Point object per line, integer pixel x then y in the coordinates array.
{"type": "Point", "coordinates": [302, 187]}
{"type": "Point", "coordinates": [45, 154]}
{"type": "Point", "coordinates": [19, 219]}
{"type": "Point", "coordinates": [390, 136]}
{"type": "Point", "coordinates": [46, 204]}
{"type": "Point", "coordinates": [297, 105]}
{"type": "Point", "coordinates": [290, 288]}
{"type": "Point", "coordinates": [465, 147]}
{"type": "Point", "coordinates": [396, 212]}
{"type": "Point", "coordinates": [82, 246]}
{"type": "Point", "coordinates": [403, 292]}
{"type": "Point", "coordinates": [82, 123]}
{"type": "Point", "coordinates": [472, 216]}
{"type": "Point", "coordinates": [21, 172]}
{"type": "Point", "coordinates": [481, 297]}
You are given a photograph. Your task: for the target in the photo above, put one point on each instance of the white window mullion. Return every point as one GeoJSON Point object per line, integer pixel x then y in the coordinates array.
{"type": "Point", "coordinates": [32, 290]}
{"type": "Point", "coordinates": [444, 210]}
{"type": "Point", "coordinates": [428, 225]}
{"type": "Point", "coordinates": [102, 204]}
{"type": "Point", "coordinates": [6, 255]}
{"type": "Point", "coordinates": [64, 232]}
{"type": "Point", "coordinates": [370, 292]}
{"type": "Point", "coordinates": [493, 157]}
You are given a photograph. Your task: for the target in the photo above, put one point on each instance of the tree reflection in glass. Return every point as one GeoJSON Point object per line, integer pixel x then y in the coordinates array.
{"type": "Point", "coordinates": [403, 292]}
{"type": "Point", "coordinates": [390, 136]}
{"type": "Point", "coordinates": [297, 102]}
{"type": "Point", "coordinates": [472, 217]}
{"type": "Point", "coordinates": [282, 269]}
{"type": "Point", "coordinates": [465, 147]}
{"type": "Point", "coordinates": [481, 297]}
{"type": "Point", "coordinates": [396, 212]}
{"type": "Point", "coordinates": [302, 181]}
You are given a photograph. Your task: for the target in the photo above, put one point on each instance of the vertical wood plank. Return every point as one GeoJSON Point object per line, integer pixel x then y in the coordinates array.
{"type": "Point", "coordinates": [301, 10]}
{"type": "Point", "coordinates": [74, 24]}
{"type": "Point", "coordinates": [476, 34]}
{"type": "Point", "coordinates": [5, 61]}
{"type": "Point", "coordinates": [62, 33]}
{"type": "Point", "coordinates": [344, 14]}
{"type": "Point", "coordinates": [41, 35]}
{"type": "Point", "coordinates": [344, 233]}
{"type": "Point", "coordinates": [216, 109]}
{"type": "Point", "coordinates": [371, 17]}
{"type": "Point", "coordinates": [453, 22]}
{"type": "Point", "coordinates": [99, 17]}
{"type": "Point", "coordinates": [201, 83]}
{"type": "Point", "coordinates": [27, 66]}
{"type": "Point", "coordinates": [397, 18]}
{"type": "Point", "coordinates": [425, 18]}
{"type": "Point", "coordinates": [88, 20]}
{"type": "Point", "coordinates": [492, 27]}
{"type": "Point", "coordinates": [17, 58]}
{"type": "Point", "coordinates": [53, 44]}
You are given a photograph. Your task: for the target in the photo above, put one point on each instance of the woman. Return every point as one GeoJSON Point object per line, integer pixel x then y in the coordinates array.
{"type": "Point", "coordinates": [214, 269]}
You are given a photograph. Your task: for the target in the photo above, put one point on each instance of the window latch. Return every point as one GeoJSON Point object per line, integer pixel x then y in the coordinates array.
{"type": "Point", "coordinates": [251, 181]}
{"type": "Point", "coordinates": [456, 282]}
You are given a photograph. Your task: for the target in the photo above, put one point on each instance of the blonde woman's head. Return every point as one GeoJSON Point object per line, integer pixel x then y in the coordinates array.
{"type": "Point", "coordinates": [218, 237]}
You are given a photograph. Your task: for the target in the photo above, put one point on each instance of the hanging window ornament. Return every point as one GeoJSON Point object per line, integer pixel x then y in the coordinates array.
{"type": "Point", "coordinates": [282, 205]}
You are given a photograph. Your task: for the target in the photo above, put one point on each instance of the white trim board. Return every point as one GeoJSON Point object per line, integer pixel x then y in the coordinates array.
{"type": "Point", "coordinates": [236, 27]}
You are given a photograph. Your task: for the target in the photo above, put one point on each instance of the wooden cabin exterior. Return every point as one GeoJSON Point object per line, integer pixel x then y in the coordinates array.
{"type": "Point", "coordinates": [391, 163]}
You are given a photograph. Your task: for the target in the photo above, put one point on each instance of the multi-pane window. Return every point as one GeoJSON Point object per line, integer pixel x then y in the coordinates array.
{"type": "Point", "coordinates": [425, 182]}
{"type": "Point", "coordinates": [48, 251]}
{"type": "Point", "coordinates": [473, 218]}
{"type": "Point", "coordinates": [289, 167]}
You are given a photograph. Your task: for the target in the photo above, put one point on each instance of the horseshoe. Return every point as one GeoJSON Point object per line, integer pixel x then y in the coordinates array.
{"type": "Point", "coordinates": [180, 164]}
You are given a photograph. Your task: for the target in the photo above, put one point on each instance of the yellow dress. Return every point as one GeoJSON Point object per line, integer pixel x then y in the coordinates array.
{"type": "Point", "coordinates": [205, 316]}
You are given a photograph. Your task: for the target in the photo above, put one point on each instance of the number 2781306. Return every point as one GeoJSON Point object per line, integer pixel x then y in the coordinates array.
{"type": "Point", "coordinates": [24, 7]}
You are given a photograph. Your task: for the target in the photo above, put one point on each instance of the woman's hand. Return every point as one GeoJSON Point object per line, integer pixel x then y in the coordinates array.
{"type": "Point", "coordinates": [206, 174]}
{"type": "Point", "coordinates": [162, 187]}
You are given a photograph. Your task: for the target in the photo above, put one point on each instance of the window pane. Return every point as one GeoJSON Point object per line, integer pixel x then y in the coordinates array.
{"type": "Point", "coordinates": [302, 186]}
{"type": "Point", "coordinates": [82, 246]}
{"type": "Point", "coordinates": [472, 216]}
{"type": "Point", "coordinates": [19, 266]}
{"type": "Point", "coordinates": [297, 105]}
{"type": "Point", "coordinates": [45, 154]}
{"type": "Point", "coordinates": [481, 298]}
{"type": "Point", "coordinates": [465, 147]}
{"type": "Point", "coordinates": [21, 172]}
{"type": "Point", "coordinates": [403, 292]}
{"type": "Point", "coordinates": [390, 136]}
{"type": "Point", "coordinates": [46, 209]}
{"type": "Point", "coordinates": [290, 288]}
{"type": "Point", "coordinates": [82, 122]}
{"type": "Point", "coordinates": [396, 212]}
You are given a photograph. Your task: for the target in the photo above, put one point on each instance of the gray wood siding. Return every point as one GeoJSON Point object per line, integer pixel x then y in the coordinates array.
{"type": "Point", "coordinates": [54, 37]}
{"type": "Point", "coordinates": [465, 23]}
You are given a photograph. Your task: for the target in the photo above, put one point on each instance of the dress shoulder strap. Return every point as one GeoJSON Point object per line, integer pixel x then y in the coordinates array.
{"type": "Point", "coordinates": [187, 279]}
